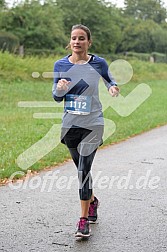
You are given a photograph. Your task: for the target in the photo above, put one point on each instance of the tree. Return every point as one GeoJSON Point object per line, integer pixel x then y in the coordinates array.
{"type": "Point", "coordinates": [47, 24]}
{"type": "Point", "coordinates": [98, 17]}
{"type": "Point", "coordinates": [159, 37]}
{"type": "Point", "coordinates": [138, 36]}
{"type": "Point", "coordinates": [146, 9]}
{"type": "Point", "coordinates": [2, 4]}
{"type": "Point", "coordinates": [37, 26]}
{"type": "Point", "coordinates": [8, 42]}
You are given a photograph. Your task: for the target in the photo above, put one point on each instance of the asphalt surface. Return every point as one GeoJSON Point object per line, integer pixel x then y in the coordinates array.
{"type": "Point", "coordinates": [130, 179]}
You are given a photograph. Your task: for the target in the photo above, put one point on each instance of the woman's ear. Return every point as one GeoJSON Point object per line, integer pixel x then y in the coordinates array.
{"type": "Point", "coordinates": [90, 43]}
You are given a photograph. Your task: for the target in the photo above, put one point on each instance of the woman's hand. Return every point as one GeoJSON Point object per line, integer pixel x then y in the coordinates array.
{"type": "Point", "coordinates": [114, 91]}
{"type": "Point", "coordinates": [62, 85]}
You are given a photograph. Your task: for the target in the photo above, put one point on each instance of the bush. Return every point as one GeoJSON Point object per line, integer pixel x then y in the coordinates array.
{"type": "Point", "coordinates": [45, 52]}
{"type": "Point", "coordinates": [8, 42]}
{"type": "Point", "coordinates": [159, 57]}
{"type": "Point", "coordinates": [140, 56]}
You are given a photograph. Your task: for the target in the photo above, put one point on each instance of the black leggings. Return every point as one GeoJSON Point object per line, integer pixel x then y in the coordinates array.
{"type": "Point", "coordinates": [82, 144]}
{"type": "Point", "coordinates": [83, 164]}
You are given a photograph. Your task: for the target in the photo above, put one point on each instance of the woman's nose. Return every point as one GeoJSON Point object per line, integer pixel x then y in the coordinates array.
{"type": "Point", "coordinates": [77, 40]}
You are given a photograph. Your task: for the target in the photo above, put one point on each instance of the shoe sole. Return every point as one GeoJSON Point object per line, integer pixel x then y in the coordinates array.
{"type": "Point", "coordinates": [80, 235]}
{"type": "Point", "coordinates": [93, 222]}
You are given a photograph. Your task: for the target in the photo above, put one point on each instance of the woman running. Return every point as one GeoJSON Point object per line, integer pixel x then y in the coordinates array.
{"type": "Point", "coordinates": [76, 83]}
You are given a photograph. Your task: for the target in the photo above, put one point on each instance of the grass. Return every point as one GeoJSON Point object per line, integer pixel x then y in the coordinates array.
{"type": "Point", "coordinates": [19, 130]}
{"type": "Point", "coordinates": [15, 68]}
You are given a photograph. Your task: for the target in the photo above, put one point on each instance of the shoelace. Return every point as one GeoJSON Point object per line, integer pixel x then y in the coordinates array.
{"type": "Point", "coordinates": [81, 224]}
{"type": "Point", "coordinates": [91, 210]}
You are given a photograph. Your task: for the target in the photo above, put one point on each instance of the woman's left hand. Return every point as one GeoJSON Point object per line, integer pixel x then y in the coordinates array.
{"type": "Point", "coordinates": [114, 91]}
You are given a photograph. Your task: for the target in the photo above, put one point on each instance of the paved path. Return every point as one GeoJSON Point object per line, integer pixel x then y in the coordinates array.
{"type": "Point", "coordinates": [131, 183]}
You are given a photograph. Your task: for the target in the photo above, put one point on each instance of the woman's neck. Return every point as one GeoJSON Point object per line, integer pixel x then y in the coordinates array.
{"type": "Point", "coordinates": [79, 58]}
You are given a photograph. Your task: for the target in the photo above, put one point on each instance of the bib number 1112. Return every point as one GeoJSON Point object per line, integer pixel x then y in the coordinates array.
{"type": "Point", "coordinates": [78, 104]}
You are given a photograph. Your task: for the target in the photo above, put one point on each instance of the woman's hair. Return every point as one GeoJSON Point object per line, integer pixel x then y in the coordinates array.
{"type": "Point", "coordinates": [82, 27]}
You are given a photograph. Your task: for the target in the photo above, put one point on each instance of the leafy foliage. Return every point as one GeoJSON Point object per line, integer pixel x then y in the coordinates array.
{"type": "Point", "coordinates": [146, 9]}
{"type": "Point", "coordinates": [46, 25]}
{"type": "Point", "coordinates": [8, 42]}
{"type": "Point", "coordinates": [36, 25]}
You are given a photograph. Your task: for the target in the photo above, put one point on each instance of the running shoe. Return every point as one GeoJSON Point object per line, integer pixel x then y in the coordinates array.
{"type": "Point", "coordinates": [83, 229]}
{"type": "Point", "coordinates": [92, 216]}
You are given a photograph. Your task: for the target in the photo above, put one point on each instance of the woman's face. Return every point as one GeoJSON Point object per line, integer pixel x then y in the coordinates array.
{"type": "Point", "coordinates": [79, 41]}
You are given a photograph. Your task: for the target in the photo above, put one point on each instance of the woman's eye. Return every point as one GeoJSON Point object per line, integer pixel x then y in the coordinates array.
{"type": "Point", "coordinates": [80, 38]}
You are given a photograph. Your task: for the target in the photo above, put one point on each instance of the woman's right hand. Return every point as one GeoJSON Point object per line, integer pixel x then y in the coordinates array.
{"type": "Point", "coordinates": [62, 85]}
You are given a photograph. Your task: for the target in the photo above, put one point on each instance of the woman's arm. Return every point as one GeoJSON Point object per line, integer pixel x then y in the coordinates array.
{"type": "Point", "coordinates": [58, 89]}
{"type": "Point", "coordinates": [109, 80]}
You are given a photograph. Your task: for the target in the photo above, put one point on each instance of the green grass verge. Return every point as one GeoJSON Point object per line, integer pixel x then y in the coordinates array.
{"type": "Point", "coordinates": [14, 68]}
{"type": "Point", "coordinates": [19, 130]}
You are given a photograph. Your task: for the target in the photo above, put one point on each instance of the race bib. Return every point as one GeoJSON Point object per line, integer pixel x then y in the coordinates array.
{"type": "Point", "coordinates": [78, 104]}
